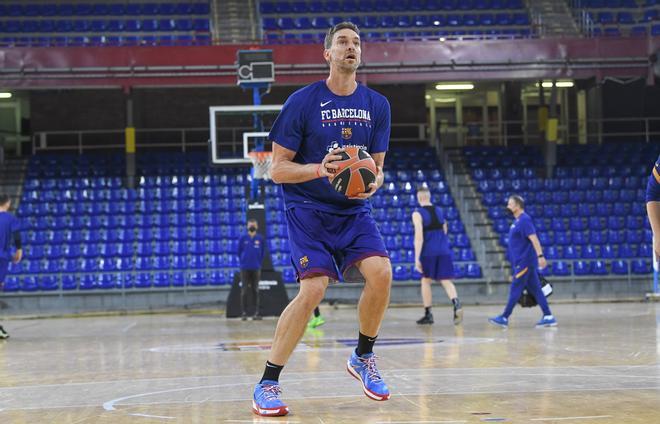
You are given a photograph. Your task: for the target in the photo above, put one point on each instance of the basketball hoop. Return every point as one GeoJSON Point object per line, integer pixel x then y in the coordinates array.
{"type": "Point", "coordinates": [261, 163]}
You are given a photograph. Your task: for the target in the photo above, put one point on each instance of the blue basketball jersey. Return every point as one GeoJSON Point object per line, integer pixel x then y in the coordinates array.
{"type": "Point", "coordinates": [8, 226]}
{"type": "Point", "coordinates": [314, 121]}
{"type": "Point", "coordinates": [436, 242]}
{"type": "Point", "coordinates": [653, 185]}
{"type": "Point", "coordinates": [521, 250]}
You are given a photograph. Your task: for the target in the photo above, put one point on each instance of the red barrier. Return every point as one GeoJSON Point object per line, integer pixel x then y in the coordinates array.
{"type": "Point", "coordinates": [296, 64]}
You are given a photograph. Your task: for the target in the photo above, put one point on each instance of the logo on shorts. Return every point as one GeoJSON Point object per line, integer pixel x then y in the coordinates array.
{"type": "Point", "coordinates": [346, 133]}
{"type": "Point", "coordinates": [304, 261]}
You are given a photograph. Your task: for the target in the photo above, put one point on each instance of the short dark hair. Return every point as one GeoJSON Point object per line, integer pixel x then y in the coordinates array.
{"type": "Point", "coordinates": [4, 199]}
{"type": "Point", "coordinates": [423, 188]}
{"type": "Point", "coordinates": [327, 43]}
{"type": "Point", "coordinates": [519, 200]}
{"type": "Point", "coordinates": [252, 220]}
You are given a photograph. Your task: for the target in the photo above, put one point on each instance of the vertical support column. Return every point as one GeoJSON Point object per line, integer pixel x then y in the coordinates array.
{"type": "Point", "coordinates": [551, 133]}
{"type": "Point", "coordinates": [484, 119]}
{"type": "Point", "coordinates": [582, 128]}
{"type": "Point", "coordinates": [129, 136]}
{"type": "Point", "coordinates": [433, 124]}
{"type": "Point", "coordinates": [513, 111]}
{"type": "Point", "coordinates": [460, 134]}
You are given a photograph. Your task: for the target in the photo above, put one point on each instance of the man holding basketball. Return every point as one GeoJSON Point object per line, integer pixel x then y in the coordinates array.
{"type": "Point", "coordinates": [314, 125]}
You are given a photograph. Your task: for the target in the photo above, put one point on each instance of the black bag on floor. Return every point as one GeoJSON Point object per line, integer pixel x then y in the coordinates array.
{"type": "Point", "coordinates": [527, 300]}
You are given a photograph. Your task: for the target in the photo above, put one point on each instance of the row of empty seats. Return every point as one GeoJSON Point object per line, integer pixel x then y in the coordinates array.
{"type": "Point", "coordinates": [366, 6]}
{"type": "Point", "coordinates": [53, 9]}
{"type": "Point", "coordinates": [387, 36]}
{"type": "Point", "coordinates": [104, 27]}
{"type": "Point", "coordinates": [369, 23]}
{"type": "Point", "coordinates": [580, 268]}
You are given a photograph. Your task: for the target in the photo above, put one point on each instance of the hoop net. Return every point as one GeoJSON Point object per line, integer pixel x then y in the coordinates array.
{"type": "Point", "coordinates": [261, 163]}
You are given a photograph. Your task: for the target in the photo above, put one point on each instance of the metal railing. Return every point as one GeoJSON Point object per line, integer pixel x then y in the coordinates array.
{"type": "Point", "coordinates": [525, 132]}
{"type": "Point", "coordinates": [181, 139]}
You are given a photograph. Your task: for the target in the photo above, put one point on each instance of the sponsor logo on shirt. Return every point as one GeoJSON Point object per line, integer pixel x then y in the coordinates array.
{"type": "Point", "coordinates": [335, 145]}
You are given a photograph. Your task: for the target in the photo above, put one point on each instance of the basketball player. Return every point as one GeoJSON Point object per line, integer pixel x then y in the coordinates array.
{"type": "Point", "coordinates": [251, 252]}
{"type": "Point", "coordinates": [526, 257]}
{"type": "Point", "coordinates": [8, 232]}
{"type": "Point", "coordinates": [433, 256]}
{"type": "Point", "coordinates": [653, 205]}
{"type": "Point", "coordinates": [314, 124]}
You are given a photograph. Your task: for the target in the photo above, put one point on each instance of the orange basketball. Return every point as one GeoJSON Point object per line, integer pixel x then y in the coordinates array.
{"type": "Point", "coordinates": [356, 171]}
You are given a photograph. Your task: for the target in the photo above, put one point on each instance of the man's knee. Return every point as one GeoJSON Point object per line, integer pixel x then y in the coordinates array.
{"type": "Point", "coordinates": [378, 270]}
{"type": "Point", "coordinates": [312, 291]}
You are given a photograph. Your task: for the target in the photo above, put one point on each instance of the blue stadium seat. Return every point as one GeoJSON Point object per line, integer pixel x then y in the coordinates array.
{"type": "Point", "coordinates": [619, 267]}
{"type": "Point", "coordinates": [473, 270]}
{"type": "Point", "coordinates": [641, 266]}
{"type": "Point", "coordinates": [560, 268]}
{"type": "Point", "coordinates": [581, 268]}
{"type": "Point", "coordinates": [599, 268]}
{"type": "Point", "coordinates": [401, 273]}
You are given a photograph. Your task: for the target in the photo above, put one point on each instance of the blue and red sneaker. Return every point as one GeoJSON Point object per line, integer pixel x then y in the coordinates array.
{"type": "Point", "coordinates": [364, 369]}
{"type": "Point", "coordinates": [266, 400]}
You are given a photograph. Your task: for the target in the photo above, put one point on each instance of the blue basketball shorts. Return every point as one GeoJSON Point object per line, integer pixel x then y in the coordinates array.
{"type": "Point", "coordinates": [4, 268]}
{"type": "Point", "coordinates": [439, 267]}
{"type": "Point", "coordinates": [653, 187]}
{"type": "Point", "coordinates": [324, 243]}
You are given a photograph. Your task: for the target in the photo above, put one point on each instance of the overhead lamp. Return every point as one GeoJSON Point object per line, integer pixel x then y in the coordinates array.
{"type": "Point", "coordinates": [559, 84]}
{"type": "Point", "coordinates": [5, 95]}
{"type": "Point", "coordinates": [445, 100]}
{"type": "Point", "coordinates": [455, 86]}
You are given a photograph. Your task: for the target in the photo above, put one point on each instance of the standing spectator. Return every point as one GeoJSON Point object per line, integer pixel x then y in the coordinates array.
{"type": "Point", "coordinates": [251, 251]}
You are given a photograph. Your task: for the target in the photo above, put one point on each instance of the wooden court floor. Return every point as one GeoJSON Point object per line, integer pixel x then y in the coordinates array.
{"type": "Point", "coordinates": [601, 365]}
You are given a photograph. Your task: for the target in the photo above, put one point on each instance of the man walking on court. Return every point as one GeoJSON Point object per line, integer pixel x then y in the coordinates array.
{"type": "Point", "coordinates": [433, 255]}
{"type": "Point", "coordinates": [8, 232]}
{"type": "Point", "coordinates": [251, 251]}
{"type": "Point", "coordinates": [653, 206]}
{"type": "Point", "coordinates": [315, 122]}
{"type": "Point", "coordinates": [526, 257]}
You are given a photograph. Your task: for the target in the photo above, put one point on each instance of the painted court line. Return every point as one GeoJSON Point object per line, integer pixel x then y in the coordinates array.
{"type": "Point", "coordinates": [152, 416]}
{"type": "Point", "coordinates": [588, 417]}
{"type": "Point", "coordinates": [419, 422]}
{"type": "Point", "coordinates": [128, 327]}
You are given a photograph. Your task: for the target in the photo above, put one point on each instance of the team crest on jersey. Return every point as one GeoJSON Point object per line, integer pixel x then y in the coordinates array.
{"type": "Point", "coordinates": [304, 261]}
{"type": "Point", "coordinates": [346, 133]}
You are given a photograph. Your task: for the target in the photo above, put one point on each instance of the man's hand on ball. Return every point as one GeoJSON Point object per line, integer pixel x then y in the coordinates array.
{"type": "Point", "coordinates": [326, 167]}
{"type": "Point", "coordinates": [380, 177]}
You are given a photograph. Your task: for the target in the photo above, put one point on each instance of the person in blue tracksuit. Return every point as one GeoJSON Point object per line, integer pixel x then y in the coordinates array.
{"type": "Point", "coordinates": [251, 251]}
{"type": "Point", "coordinates": [526, 257]}
{"type": "Point", "coordinates": [9, 232]}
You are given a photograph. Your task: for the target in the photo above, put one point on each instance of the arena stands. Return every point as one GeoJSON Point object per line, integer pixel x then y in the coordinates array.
{"type": "Point", "coordinates": [26, 24]}
{"type": "Point", "coordinates": [387, 20]}
{"type": "Point", "coordinates": [590, 216]}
